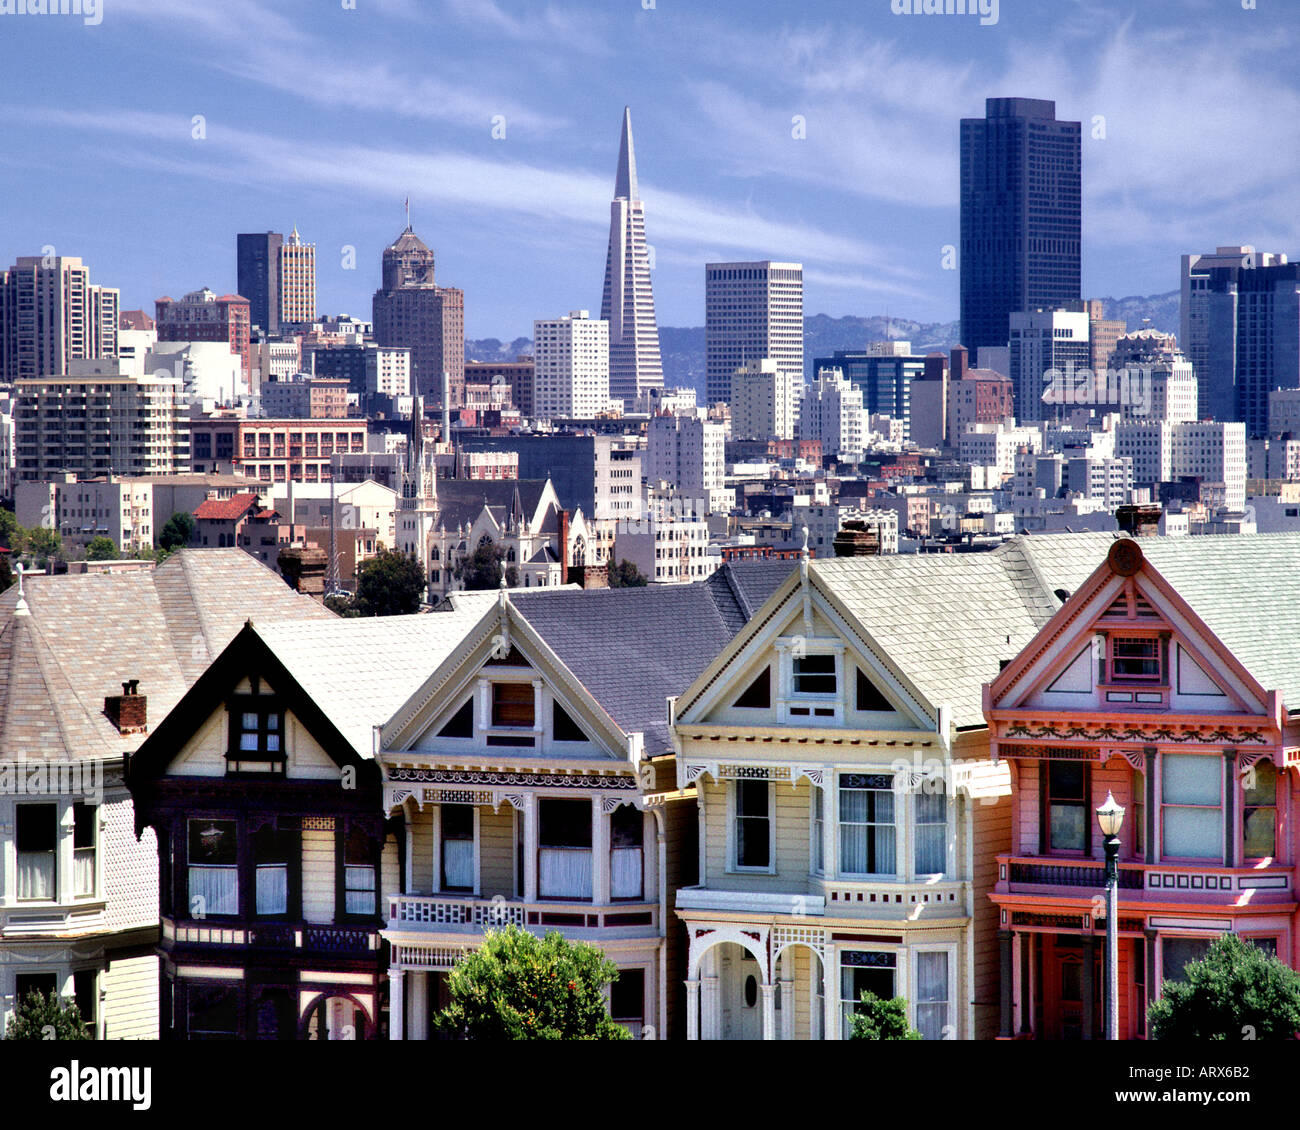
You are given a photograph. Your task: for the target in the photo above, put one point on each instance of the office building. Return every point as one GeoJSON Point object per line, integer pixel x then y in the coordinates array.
{"type": "Point", "coordinates": [1048, 347]}
{"type": "Point", "coordinates": [297, 281]}
{"type": "Point", "coordinates": [204, 316]}
{"type": "Point", "coordinates": [572, 376]}
{"type": "Point", "coordinates": [258, 276]}
{"type": "Point", "coordinates": [884, 373]}
{"type": "Point", "coordinates": [832, 412]}
{"type": "Point", "coordinates": [764, 398]}
{"type": "Point", "coordinates": [752, 311]}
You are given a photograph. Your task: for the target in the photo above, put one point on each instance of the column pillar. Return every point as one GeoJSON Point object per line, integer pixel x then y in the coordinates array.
{"type": "Point", "coordinates": [396, 1004]}
{"type": "Point", "coordinates": [711, 1014]}
{"type": "Point", "coordinates": [787, 995]}
{"type": "Point", "coordinates": [1006, 973]}
{"type": "Point", "coordinates": [1087, 983]}
{"type": "Point", "coordinates": [418, 1024]}
{"type": "Point", "coordinates": [1230, 779]}
{"type": "Point", "coordinates": [769, 1011]}
{"type": "Point", "coordinates": [530, 848]}
{"type": "Point", "coordinates": [599, 852]}
{"type": "Point", "coordinates": [831, 994]}
{"type": "Point", "coordinates": [693, 1009]}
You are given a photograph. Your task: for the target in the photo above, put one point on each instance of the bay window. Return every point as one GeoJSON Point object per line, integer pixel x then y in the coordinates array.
{"type": "Point", "coordinates": [359, 886]}
{"type": "Point", "coordinates": [753, 825]}
{"type": "Point", "coordinates": [36, 833]}
{"type": "Point", "coordinates": [867, 824]}
{"type": "Point", "coordinates": [84, 819]}
{"type": "Point", "coordinates": [1259, 811]}
{"type": "Point", "coordinates": [1067, 806]}
{"type": "Point", "coordinates": [564, 849]}
{"type": "Point", "coordinates": [1191, 807]}
{"type": "Point", "coordinates": [457, 823]}
{"type": "Point", "coordinates": [626, 835]}
{"type": "Point", "coordinates": [213, 872]}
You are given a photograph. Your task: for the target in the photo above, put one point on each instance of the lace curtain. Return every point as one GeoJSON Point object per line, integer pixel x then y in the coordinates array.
{"type": "Point", "coordinates": [564, 873]}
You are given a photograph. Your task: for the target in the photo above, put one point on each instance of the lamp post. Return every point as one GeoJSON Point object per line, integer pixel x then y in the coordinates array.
{"type": "Point", "coordinates": [1110, 817]}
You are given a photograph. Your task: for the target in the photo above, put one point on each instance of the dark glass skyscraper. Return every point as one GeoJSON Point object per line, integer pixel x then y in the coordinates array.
{"type": "Point", "coordinates": [1020, 215]}
{"type": "Point", "coordinates": [258, 277]}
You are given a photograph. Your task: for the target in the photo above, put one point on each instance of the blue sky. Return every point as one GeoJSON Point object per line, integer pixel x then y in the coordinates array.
{"type": "Point", "coordinates": [327, 117]}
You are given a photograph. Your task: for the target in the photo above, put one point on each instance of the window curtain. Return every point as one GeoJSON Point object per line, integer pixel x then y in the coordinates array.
{"type": "Point", "coordinates": [36, 875]}
{"type": "Point", "coordinates": [931, 994]}
{"type": "Point", "coordinates": [564, 873]}
{"type": "Point", "coordinates": [83, 871]}
{"type": "Point", "coordinates": [359, 881]}
{"type": "Point", "coordinates": [1193, 814]}
{"type": "Point", "coordinates": [867, 832]}
{"type": "Point", "coordinates": [625, 873]}
{"type": "Point", "coordinates": [217, 887]}
{"type": "Point", "coordinates": [272, 888]}
{"type": "Point", "coordinates": [931, 828]}
{"type": "Point", "coordinates": [458, 863]}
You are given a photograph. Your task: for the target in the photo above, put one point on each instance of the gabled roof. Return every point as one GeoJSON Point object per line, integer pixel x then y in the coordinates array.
{"type": "Point", "coordinates": [226, 509]}
{"type": "Point", "coordinates": [461, 501]}
{"type": "Point", "coordinates": [85, 635]}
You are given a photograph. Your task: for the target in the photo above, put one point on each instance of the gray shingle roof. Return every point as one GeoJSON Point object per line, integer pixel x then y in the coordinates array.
{"type": "Point", "coordinates": [88, 634]}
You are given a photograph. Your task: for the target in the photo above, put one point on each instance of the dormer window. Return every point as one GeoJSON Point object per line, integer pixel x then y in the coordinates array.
{"type": "Point", "coordinates": [1136, 659]}
{"type": "Point", "coordinates": [512, 706]}
{"type": "Point", "coordinates": [815, 675]}
{"type": "Point", "coordinates": [256, 736]}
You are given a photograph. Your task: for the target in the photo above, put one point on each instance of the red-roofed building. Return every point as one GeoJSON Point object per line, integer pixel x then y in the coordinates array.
{"type": "Point", "coordinates": [217, 521]}
{"type": "Point", "coordinates": [135, 319]}
{"type": "Point", "coordinates": [203, 316]}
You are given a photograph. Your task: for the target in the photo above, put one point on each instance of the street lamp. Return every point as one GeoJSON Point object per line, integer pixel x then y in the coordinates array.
{"type": "Point", "coordinates": [1110, 817]}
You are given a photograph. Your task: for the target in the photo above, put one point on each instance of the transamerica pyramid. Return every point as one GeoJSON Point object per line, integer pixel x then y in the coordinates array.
{"type": "Point", "coordinates": [629, 304]}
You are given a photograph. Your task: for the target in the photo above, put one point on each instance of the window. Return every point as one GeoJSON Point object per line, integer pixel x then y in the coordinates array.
{"type": "Point", "coordinates": [213, 876]}
{"type": "Point", "coordinates": [1192, 812]}
{"type": "Point", "coordinates": [1135, 659]}
{"type": "Point", "coordinates": [753, 826]}
{"type": "Point", "coordinates": [930, 827]}
{"type": "Point", "coordinates": [1067, 806]}
{"type": "Point", "coordinates": [1138, 803]}
{"type": "Point", "coordinates": [626, 836]}
{"type": "Point", "coordinates": [86, 993]}
{"type": "Point", "coordinates": [564, 848]}
{"type": "Point", "coordinates": [867, 844]}
{"type": "Point", "coordinates": [512, 705]}
{"type": "Point", "coordinates": [256, 739]}
{"type": "Point", "coordinates": [932, 994]}
{"type": "Point", "coordinates": [863, 971]}
{"type": "Point", "coordinates": [457, 847]}
{"type": "Point", "coordinates": [627, 999]}
{"type": "Point", "coordinates": [814, 674]}
{"type": "Point", "coordinates": [84, 819]}
{"type": "Point", "coordinates": [818, 830]}
{"type": "Point", "coordinates": [37, 837]}
{"type": "Point", "coordinates": [213, 1012]}
{"type": "Point", "coordinates": [272, 852]}
{"type": "Point", "coordinates": [1176, 953]}
{"type": "Point", "coordinates": [1259, 813]}
{"type": "Point", "coordinates": [358, 873]}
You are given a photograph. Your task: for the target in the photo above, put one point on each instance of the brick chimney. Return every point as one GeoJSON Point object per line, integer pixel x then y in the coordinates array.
{"type": "Point", "coordinates": [588, 576]}
{"type": "Point", "coordinates": [960, 362]}
{"type": "Point", "coordinates": [564, 542]}
{"type": "Point", "coordinates": [1139, 521]}
{"type": "Point", "coordinates": [856, 539]}
{"type": "Point", "coordinates": [128, 711]}
{"type": "Point", "coordinates": [304, 566]}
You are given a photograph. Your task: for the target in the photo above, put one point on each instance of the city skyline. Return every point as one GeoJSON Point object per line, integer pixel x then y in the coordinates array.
{"type": "Point", "coordinates": [759, 141]}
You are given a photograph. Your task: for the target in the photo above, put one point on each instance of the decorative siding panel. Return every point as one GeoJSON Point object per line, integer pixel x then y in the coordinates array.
{"type": "Point", "coordinates": [130, 868]}
{"type": "Point", "coordinates": [421, 824]}
{"type": "Point", "coordinates": [131, 998]}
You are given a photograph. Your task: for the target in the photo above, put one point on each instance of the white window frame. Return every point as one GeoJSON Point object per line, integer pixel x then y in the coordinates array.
{"type": "Point", "coordinates": [950, 949]}
{"type": "Point", "coordinates": [902, 830]}
{"type": "Point", "coordinates": [902, 970]}
{"type": "Point", "coordinates": [787, 698]}
{"type": "Point", "coordinates": [816, 835]}
{"type": "Point", "coordinates": [733, 866]}
{"type": "Point", "coordinates": [437, 876]}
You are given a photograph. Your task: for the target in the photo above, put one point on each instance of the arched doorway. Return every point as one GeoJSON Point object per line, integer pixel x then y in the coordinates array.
{"type": "Point", "coordinates": [336, 1017]}
{"type": "Point", "coordinates": [740, 980]}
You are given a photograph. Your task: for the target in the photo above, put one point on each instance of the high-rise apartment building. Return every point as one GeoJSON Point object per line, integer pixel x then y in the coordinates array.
{"type": "Point", "coordinates": [1241, 330]}
{"type": "Point", "coordinates": [409, 309]}
{"type": "Point", "coordinates": [1020, 216]}
{"type": "Point", "coordinates": [883, 373]}
{"type": "Point", "coordinates": [1048, 347]}
{"type": "Point", "coordinates": [100, 420]}
{"type": "Point", "coordinates": [628, 304]}
{"type": "Point", "coordinates": [52, 315]}
{"type": "Point", "coordinates": [832, 412]}
{"type": "Point", "coordinates": [752, 311]}
{"type": "Point", "coordinates": [763, 400]}
{"type": "Point", "coordinates": [258, 276]}
{"type": "Point", "coordinates": [297, 280]}
{"type": "Point", "coordinates": [203, 316]}
{"type": "Point", "coordinates": [687, 452]}
{"type": "Point", "coordinates": [571, 375]}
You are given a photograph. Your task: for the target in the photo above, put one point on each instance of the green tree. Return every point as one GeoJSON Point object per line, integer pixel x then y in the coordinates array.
{"type": "Point", "coordinates": [391, 583]}
{"type": "Point", "coordinates": [626, 575]}
{"type": "Point", "coordinates": [6, 573]}
{"type": "Point", "coordinates": [342, 605]}
{"type": "Point", "coordinates": [39, 1017]}
{"type": "Point", "coordinates": [43, 542]}
{"type": "Point", "coordinates": [101, 549]}
{"type": "Point", "coordinates": [517, 986]}
{"type": "Point", "coordinates": [482, 568]}
{"type": "Point", "coordinates": [177, 531]}
{"type": "Point", "coordinates": [10, 530]}
{"type": "Point", "coordinates": [1237, 992]}
{"type": "Point", "coordinates": [880, 1019]}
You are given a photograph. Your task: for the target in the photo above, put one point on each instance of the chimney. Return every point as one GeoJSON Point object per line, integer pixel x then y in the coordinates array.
{"type": "Point", "coordinates": [304, 568]}
{"type": "Point", "coordinates": [936, 365]}
{"type": "Point", "coordinates": [128, 711]}
{"type": "Point", "coordinates": [564, 542]}
{"type": "Point", "coordinates": [1139, 521]}
{"type": "Point", "coordinates": [856, 539]}
{"type": "Point", "coordinates": [588, 576]}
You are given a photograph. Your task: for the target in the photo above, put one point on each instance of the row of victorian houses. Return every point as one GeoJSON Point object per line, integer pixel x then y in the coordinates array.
{"type": "Point", "coordinates": [760, 794]}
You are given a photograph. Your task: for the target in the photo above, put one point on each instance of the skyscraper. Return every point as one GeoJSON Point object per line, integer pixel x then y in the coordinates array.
{"type": "Point", "coordinates": [1020, 215]}
{"type": "Point", "coordinates": [51, 315]}
{"type": "Point", "coordinates": [628, 304]}
{"type": "Point", "coordinates": [1241, 331]}
{"type": "Point", "coordinates": [752, 312]}
{"type": "Point", "coordinates": [258, 276]}
{"type": "Point", "coordinates": [571, 374]}
{"type": "Point", "coordinates": [411, 310]}
{"type": "Point", "coordinates": [297, 280]}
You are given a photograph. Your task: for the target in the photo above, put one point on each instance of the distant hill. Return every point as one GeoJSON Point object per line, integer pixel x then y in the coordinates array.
{"type": "Point", "coordinates": [682, 348]}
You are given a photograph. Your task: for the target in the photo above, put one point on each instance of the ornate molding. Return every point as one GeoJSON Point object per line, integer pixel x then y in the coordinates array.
{"type": "Point", "coordinates": [464, 777]}
{"type": "Point", "coordinates": [1147, 735]}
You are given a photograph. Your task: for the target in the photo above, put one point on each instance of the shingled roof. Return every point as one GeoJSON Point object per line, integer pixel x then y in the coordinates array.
{"type": "Point", "coordinates": [84, 635]}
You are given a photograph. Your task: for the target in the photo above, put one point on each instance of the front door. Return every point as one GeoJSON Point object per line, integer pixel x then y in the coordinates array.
{"type": "Point", "coordinates": [739, 982]}
{"type": "Point", "coordinates": [1064, 983]}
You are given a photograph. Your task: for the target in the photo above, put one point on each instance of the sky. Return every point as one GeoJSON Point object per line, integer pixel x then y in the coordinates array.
{"type": "Point", "coordinates": [142, 136]}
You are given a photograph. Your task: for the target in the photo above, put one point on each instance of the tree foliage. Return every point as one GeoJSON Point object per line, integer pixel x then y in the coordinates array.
{"type": "Point", "coordinates": [10, 530]}
{"type": "Point", "coordinates": [626, 575]}
{"type": "Point", "coordinates": [880, 1019]}
{"type": "Point", "coordinates": [482, 568]}
{"type": "Point", "coordinates": [42, 542]}
{"type": "Point", "coordinates": [517, 986]}
{"type": "Point", "coordinates": [391, 583]}
{"type": "Point", "coordinates": [101, 549]}
{"type": "Point", "coordinates": [177, 531]}
{"type": "Point", "coordinates": [41, 1017]}
{"type": "Point", "coordinates": [1237, 992]}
